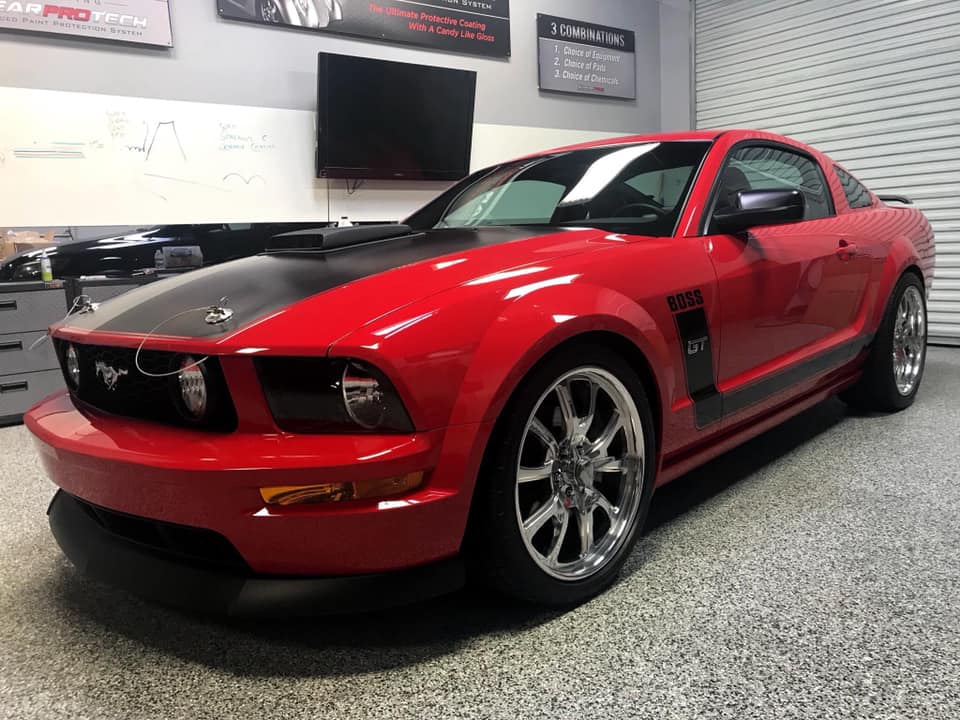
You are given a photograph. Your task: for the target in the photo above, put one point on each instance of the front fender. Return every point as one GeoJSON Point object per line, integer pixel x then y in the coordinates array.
{"type": "Point", "coordinates": [528, 329]}
{"type": "Point", "coordinates": [456, 358]}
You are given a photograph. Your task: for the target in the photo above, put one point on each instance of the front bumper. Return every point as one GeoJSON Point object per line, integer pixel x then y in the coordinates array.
{"type": "Point", "coordinates": [211, 482]}
{"type": "Point", "coordinates": [119, 559]}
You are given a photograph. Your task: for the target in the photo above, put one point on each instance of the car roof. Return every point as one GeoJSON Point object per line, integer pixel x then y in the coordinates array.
{"type": "Point", "coordinates": [684, 136]}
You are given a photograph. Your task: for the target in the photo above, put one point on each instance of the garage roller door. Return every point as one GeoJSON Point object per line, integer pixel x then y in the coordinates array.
{"type": "Point", "coordinates": [873, 83]}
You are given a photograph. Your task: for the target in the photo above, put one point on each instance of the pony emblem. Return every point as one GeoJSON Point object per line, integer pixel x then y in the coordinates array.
{"type": "Point", "coordinates": [110, 376]}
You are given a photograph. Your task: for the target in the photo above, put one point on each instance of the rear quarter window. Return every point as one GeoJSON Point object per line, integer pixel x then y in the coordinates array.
{"type": "Point", "coordinates": [857, 194]}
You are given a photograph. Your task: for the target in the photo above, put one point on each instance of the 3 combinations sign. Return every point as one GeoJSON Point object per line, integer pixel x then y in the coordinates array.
{"type": "Point", "coordinates": [477, 27]}
{"type": "Point", "coordinates": [146, 22]}
{"type": "Point", "coordinates": [586, 59]}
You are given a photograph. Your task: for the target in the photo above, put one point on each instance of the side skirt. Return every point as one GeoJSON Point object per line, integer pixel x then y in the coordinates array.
{"type": "Point", "coordinates": [684, 461]}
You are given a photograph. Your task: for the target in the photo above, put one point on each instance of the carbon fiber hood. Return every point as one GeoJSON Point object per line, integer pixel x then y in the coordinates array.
{"type": "Point", "coordinates": [259, 286]}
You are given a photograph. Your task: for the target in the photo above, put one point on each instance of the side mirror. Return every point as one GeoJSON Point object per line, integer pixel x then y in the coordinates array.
{"type": "Point", "coordinates": [760, 207]}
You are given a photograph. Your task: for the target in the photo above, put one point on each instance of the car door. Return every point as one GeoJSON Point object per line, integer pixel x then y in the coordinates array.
{"type": "Point", "coordinates": [787, 292]}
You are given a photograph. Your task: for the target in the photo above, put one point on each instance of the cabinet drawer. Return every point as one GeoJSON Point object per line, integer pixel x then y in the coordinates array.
{"type": "Point", "coordinates": [17, 357]}
{"type": "Point", "coordinates": [29, 311]}
{"type": "Point", "coordinates": [19, 392]}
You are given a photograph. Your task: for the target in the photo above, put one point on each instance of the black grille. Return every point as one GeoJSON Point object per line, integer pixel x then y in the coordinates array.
{"type": "Point", "coordinates": [183, 543]}
{"type": "Point", "coordinates": [144, 397]}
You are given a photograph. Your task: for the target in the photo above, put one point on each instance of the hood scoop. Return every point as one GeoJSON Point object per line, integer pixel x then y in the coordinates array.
{"type": "Point", "coordinates": [320, 240]}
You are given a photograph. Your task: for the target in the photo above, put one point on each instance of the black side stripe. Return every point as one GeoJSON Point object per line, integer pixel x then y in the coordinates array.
{"type": "Point", "coordinates": [710, 405]}
{"type": "Point", "coordinates": [698, 365]}
{"type": "Point", "coordinates": [759, 391]}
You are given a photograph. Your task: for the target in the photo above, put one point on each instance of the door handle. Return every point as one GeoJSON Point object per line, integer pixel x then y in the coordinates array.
{"type": "Point", "coordinates": [8, 304]}
{"type": "Point", "coordinates": [15, 387]}
{"type": "Point", "coordinates": [846, 250]}
{"type": "Point", "coordinates": [11, 346]}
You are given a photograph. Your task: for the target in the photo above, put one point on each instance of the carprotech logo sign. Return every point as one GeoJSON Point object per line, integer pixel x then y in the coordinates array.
{"type": "Point", "coordinates": [139, 21]}
{"type": "Point", "coordinates": [77, 14]}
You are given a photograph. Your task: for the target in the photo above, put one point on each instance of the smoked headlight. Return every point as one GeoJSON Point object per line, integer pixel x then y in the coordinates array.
{"type": "Point", "coordinates": [193, 388]}
{"type": "Point", "coordinates": [72, 362]}
{"type": "Point", "coordinates": [317, 395]}
{"type": "Point", "coordinates": [363, 396]}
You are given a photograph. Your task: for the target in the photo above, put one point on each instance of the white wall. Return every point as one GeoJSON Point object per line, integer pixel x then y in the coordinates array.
{"type": "Point", "coordinates": [116, 160]}
{"type": "Point", "coordinates": [63, 90]}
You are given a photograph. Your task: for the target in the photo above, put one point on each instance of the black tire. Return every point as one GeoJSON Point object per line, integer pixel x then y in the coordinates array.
{"type": "Point", "coordinates": [877, 390]}
{"type": "Point", "coordinates": [495, 549]}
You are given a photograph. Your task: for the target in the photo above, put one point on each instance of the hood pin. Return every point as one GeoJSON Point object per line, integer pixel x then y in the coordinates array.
{"type": "Point", "coordinates": [219, 313]}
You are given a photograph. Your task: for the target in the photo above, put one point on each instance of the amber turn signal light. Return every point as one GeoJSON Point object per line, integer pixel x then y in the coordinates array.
{"type": "Point", "coordinates": [341, 492]}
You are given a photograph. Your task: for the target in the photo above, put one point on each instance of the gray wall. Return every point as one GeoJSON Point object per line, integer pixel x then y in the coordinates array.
{"type": "Point", "coordinates": [233, 63]}
{"type": "Point", "coordinates": [676, 89]}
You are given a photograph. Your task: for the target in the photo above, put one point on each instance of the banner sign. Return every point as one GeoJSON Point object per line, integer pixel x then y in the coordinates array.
{"type": "Point", "coordinates": [586, 59]}
{"type": "Point", "coordinates": [145, 22]}
{"type": "Point", "coordinates": [477, 27]}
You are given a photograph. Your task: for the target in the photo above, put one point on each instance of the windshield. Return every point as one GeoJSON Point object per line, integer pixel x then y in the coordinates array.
{"type": "Point", "coordinates": [638, 188]}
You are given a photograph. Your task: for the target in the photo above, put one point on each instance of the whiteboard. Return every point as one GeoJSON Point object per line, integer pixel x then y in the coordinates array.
{"type": "Point", "coordinates": [83, 159]}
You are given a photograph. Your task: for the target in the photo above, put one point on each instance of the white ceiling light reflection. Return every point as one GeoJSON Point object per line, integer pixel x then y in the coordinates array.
{"type": "Point", "coordinates": [603, 172]}
{"type": "Point", "coordinates": [506, 275]}
{"type": "Point", "coordinates": [396, 504]}
{"type": "Point", "coordinates": [533, 287]}
{"type": "Point", "coordinates": [448, 263]}
{"type": "Point", "coordinates": [401, 326]}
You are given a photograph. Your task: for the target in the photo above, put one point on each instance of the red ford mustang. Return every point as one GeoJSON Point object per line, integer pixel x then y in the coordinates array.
{"type": "Point", "coordinates": [367, 416]}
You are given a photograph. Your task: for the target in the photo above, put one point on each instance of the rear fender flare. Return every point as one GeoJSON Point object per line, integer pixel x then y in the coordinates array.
{"type": "Point", "coordinates": [901, 256]}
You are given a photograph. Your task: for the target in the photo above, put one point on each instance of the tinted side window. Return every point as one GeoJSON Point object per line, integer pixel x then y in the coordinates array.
{"type": "Point", "coordinates": [857, 195]}
{"type": "Point", "coordinates": [665, 186]}
{"type": "Point", "coordinates": [771, 168]}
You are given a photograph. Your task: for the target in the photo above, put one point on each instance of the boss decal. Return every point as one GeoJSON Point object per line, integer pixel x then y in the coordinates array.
{"type": "Point", "coordinates": [685, 300]}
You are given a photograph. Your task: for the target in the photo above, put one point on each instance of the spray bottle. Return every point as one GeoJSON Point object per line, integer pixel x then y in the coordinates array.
{"type": "Point", "coordinates": [46, 268]}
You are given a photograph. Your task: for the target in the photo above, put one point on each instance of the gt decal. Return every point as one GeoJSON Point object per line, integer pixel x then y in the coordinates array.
{"type": "Point", "coordinates": [685, 300]}
{"type": "Point", "coordinates": [697, 345]}
{"type": "Point", "coordinates": [694, 335]}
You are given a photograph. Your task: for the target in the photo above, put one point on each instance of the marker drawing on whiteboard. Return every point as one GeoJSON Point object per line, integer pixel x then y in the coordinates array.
{"type": "Point", "coordinates": [117, 122]}
{"type": "Point", "coordinates": [142, 147]}
{"type": "Point", "coordinates": [185, 181]}
{"type": "Point", "coordinates": [47, 153]}
{"type": "Point", "coordinates": [244, 180]}
{"type": "Point", "coordinates": [171, 127]}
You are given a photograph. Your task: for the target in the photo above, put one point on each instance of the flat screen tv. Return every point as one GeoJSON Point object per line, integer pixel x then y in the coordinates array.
{"type": "Point", "coordinates": [393, 121]}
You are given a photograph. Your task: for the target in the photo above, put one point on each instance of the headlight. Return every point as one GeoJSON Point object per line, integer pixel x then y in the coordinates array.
{"type": "Point", "coordinates": [73, 367]}
{"type": "Point", "coordinates": [318, 395]}
{"type": "Point", "coordinates": [363, 397]}
{"type": "Point", "coordinates": [193, 388]}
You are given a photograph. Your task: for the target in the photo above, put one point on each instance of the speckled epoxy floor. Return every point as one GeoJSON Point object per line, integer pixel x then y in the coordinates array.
{"type": "Point", "coordinates": [813, 573]}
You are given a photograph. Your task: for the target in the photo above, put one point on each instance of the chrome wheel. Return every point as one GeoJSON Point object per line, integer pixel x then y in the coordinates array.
{"type": "Point", "coordinates": [909, 338]}
{"type": "Point", "coordinates": [580, 474]}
